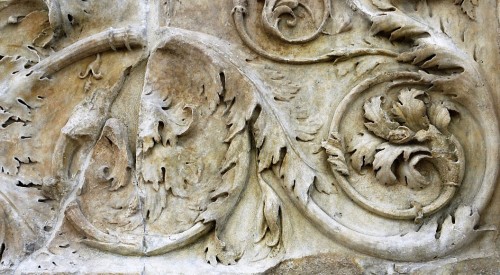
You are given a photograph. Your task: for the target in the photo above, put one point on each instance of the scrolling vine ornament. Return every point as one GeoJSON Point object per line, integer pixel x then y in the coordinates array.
{"type": "Point", "coordinates": [407, 120]}
{"type": "Point", "coordinates": [433, 51]}
{"type": "Point", "coordinates": [417, 138]}
{"type": "Point", "coordinates": [273, 12]}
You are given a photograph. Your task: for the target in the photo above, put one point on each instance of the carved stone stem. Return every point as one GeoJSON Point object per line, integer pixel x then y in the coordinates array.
{"type": "Point", "coordinates": [337, 55]}
{"type": "Point", "coordinates": [145, 245]}
{"type": "Point", "coordinates": [111, 39]}
{"type": "Point", "coordinates": [383, 138]}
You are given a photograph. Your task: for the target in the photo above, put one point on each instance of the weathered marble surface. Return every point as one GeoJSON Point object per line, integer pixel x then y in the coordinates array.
{"type": "Point", "coordinates": [247, 136]}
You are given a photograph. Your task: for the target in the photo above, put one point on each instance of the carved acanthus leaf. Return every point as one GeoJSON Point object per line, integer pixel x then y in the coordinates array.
{"type": "Point", "coordinates": [396, 24]}
{"type": "Point", "coordinates": [439, 115]}
{"type": "Point", "coordinates": [280, 135]}
{"type": "Point", "coordinates": [276, 147]}
{"type": "Point", "coordinates": [161, 125]}
{"type": "Point", "coordinates": [297, 175]}
{"type": "Point", "coordinates": [410, 110]}
{"type": "Point", "coordinates": [432, 48]}
{"type": "Point", "coordinates": [15, 145]}
{"type": "Point", "coordinates": [386, 156]}
{"type": "Point", "coordinates": [216, 252]}
{"type": "Point", "coordinates": [18, 106]}
{"type": "Point", "coordinates": [468, 7]}
{"type": "Point", "coordinates": [380, 122]}
{"type": "Point", "coordinates": [287, 90]}
{"type": "Point", "coordinates": [429, 56]}
{"type": "Point", "coordinates": [414, 141]}
{"type": "Point", "coordinates": [163, 122]}
{"type": "Point", "coordinates": [363, 147]}
{"type": "Point", "coordinates": [15, 133]}
{"type": "Point", "coordinates": [408, 173]}
{"type": "Point", "coordinates": [225, 196]}
{"type": "Point", "coordinates": [269, 217]}
{"type": "Point", "coordinates": [334, 147]}
{"type": "Point", "coordinates": [308, 129]}
{"type": "Point", "coordinates": [277, 136]}
{"type": "Point", "coordinates": [242, 106]}
{"type": "Point", "coordinates": [269, 141]}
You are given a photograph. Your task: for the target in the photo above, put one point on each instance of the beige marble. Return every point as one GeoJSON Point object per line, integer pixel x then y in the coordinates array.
{"type": "Point", "coordinates": [247, 136]}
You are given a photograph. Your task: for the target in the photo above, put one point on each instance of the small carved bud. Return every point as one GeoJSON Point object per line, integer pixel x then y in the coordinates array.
{"type": "Point", "coordinates": [401, 135]}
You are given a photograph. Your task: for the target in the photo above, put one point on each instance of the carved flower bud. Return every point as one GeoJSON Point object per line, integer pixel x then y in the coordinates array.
{"type": "Point", "coordinates": [240, 6]}
{"type": "Point", "coordinates": [401, 135]}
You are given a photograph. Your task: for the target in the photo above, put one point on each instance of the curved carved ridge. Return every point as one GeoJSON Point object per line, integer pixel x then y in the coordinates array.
{"type": "Point", "coordinates": [22, 82]}
{"type": "Point", "coordinates": [273, 10]}
{"type": "Point", "coordinates": [15, 230]}
{"type": "Point", "coordinates": [112, 39]}
{"type": "Point", "coordinates": [229, 66]}
{"type": "Point", "coordinates": [434, 52]}
{"type": "Point", "coordinates": [470, 77]}
{"type": "Point", "coordinates": [413, 246]}
{"type": "Point", "coordinates": [437, 51]}
{"type": "Point", "coordinates": [410, 247]}
{"type": "Point", "coordinates": [416, 212]}
{"type": "Point", "coordinates": [145, 244]}
{"type": "Point", "coordinates": [245, 105]}
{"type": "Point", "coordinates": [156, 245]}
{"type": "Point", "coordinates": [15, 88]}
{"type": "Point", "coordinates": [99, 126]}
{"type": "Point", "coordinates": [132, 245]}
{"type": "Point", "coordinates": [338, 55]}
{"type": "Point", "coordinates": [262, 90]}
{"type": "Point", "coordinates": [234, 167]}
{"type": "Point", "coordinates": [370, 244]}
{"type": "Point", "coordinates": [256, 113]}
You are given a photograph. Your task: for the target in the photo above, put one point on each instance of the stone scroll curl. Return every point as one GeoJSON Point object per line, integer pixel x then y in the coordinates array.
{"type": "Point", "coordinates": [148, 140]}
{"type": "Point", "coordinates": [403, 161]}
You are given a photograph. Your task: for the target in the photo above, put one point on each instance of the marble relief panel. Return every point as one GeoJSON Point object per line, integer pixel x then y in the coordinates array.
{"type": "Point", "coordinates": [248, 136]}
